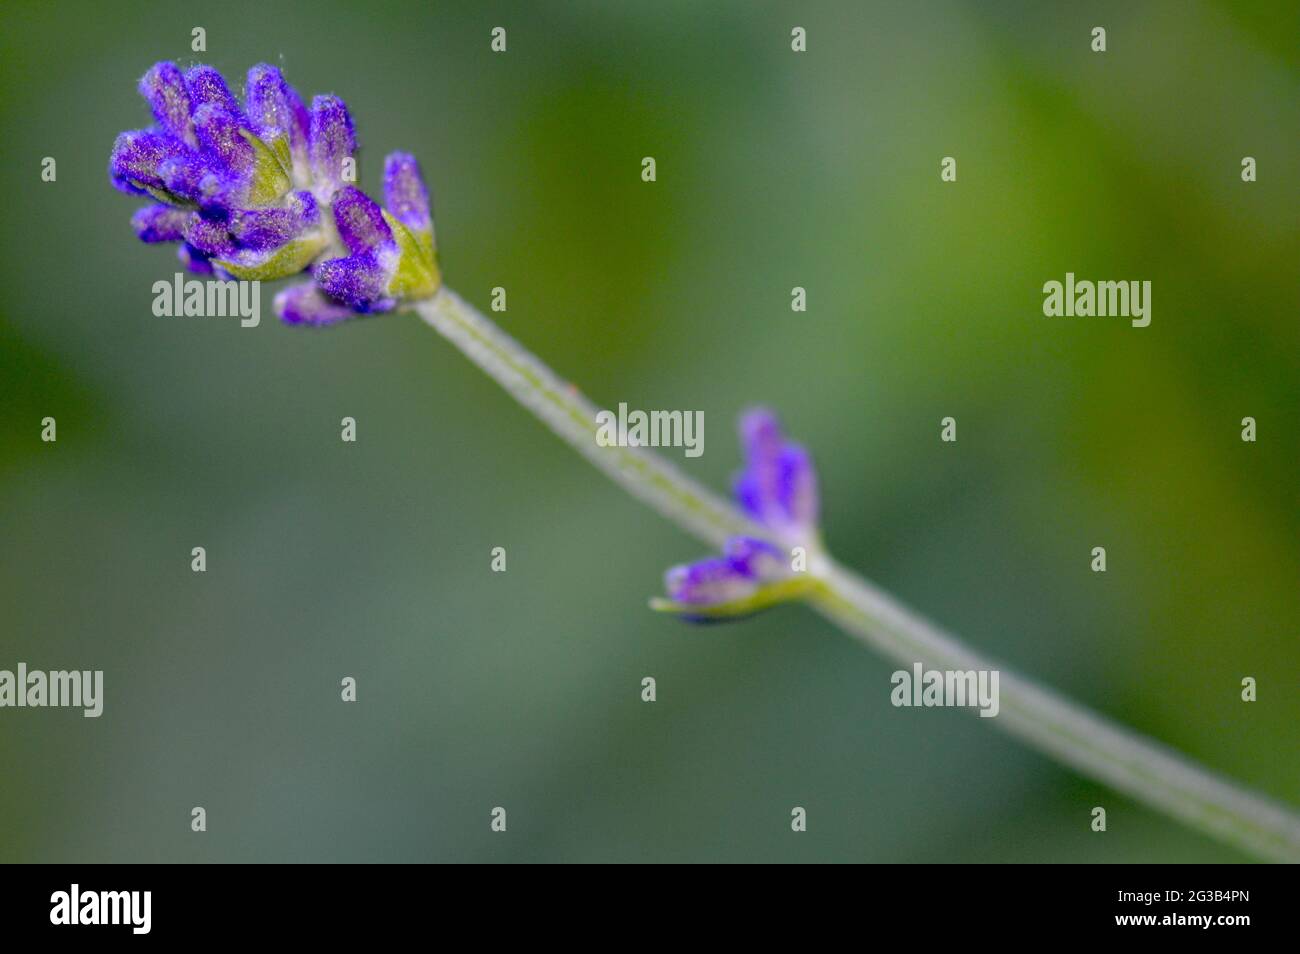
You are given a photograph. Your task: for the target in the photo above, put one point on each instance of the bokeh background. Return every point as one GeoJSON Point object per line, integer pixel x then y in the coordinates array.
{"type": "Point", "coordinates": [775, 169]}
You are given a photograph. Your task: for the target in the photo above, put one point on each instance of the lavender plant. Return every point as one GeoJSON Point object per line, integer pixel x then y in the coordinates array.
{"type": "Point", "coordinates": [264, 191]}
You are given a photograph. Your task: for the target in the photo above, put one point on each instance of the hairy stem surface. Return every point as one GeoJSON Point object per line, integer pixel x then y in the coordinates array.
{"type": "Point", "coordinates": [1089, 743]}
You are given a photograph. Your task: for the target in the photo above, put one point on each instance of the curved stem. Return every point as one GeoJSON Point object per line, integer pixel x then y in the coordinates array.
{"type": "Point", "coordinates": [1089, 743]}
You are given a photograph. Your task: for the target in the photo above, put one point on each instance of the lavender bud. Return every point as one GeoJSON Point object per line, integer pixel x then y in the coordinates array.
{"type": "Point", "coordinates": [405, 194]}
{"type": "Point", "coordinates": [136, 157]}
{"type": "Point", "coordinates": [221, 140]}
{"type": "Point", "coordinates": [164, 88]}
{"type": "Point", "coordinates": [360, 281]}
{"type": "Point", "coordinates": [331, 140]}
{"type": "Point", "coordinates": [160, 223]}
{"type": "Point", "coordinates": [360, 220]}
{"type": "Point", "coordinates": [306, 304]}
{"type": "Point", "coordinates": [273, 107]}
{"type": "Point", "coordinates": [205, 86]}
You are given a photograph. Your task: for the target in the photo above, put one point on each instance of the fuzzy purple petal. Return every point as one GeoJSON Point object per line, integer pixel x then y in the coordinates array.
{"type": "Point", "coordinates": [273, 107]}
{"type": "Point", "coordinates": [164, 89]}
{"type": "Point", "coordinates": [306, 304]}
{"type": "Point", "coordinates": [360, 221]}
{"type": "Point", "coordinates": [137, 156]}
{"type": "Point", "coordinates": [405, 195]}
{"type": "Point", "coordinates": [182, 174]}
{"type": "Point", "coordinates": [360, 281]}
{"type": "Point", "coordinates": [160, 223]}
{"type": "Point", "coordinates": [209, 235]}
{"type": "Point", "coordinates": [206, 87]}
{"type": "Point", "coordinates": [270, 228]}
{"type": "Point", "coordinates": [262, 229]}
{"type": "Point", "coordinates": [198, 180]}
{"type": "Point", "coordinates": [219, 136]}
{"type": "Point", "coordinates": [708, 582]}
{"type": "Point", "coordinates": [331, 141]}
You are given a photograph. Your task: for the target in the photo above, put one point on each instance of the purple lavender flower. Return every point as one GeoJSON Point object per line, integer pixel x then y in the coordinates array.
{"type": "Point", "coordinates": [745, 565]}
{"type": "Point", "coordinates": [778, 489]}
{"type": "Point", "coordinates": [261, 191]}
{"type": "Point", "coordinates": [778, 486]}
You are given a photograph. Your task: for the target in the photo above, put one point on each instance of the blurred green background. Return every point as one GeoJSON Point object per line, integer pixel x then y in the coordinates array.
{"type": "Point", "coordinates": [775, 169]}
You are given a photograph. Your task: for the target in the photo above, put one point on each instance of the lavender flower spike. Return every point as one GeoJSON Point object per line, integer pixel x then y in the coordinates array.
{"type": "Point", "coordinates": [264, 191]}
{"type": "Point", "coordinates": [778, 488]}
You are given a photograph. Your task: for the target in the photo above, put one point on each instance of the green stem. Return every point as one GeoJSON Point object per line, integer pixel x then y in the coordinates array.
{"type": "Point", "coordinates": [1089, 743]}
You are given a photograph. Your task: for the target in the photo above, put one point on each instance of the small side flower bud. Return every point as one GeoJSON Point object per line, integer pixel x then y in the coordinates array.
{"type": "Point", "coordinates": [778, 488]}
